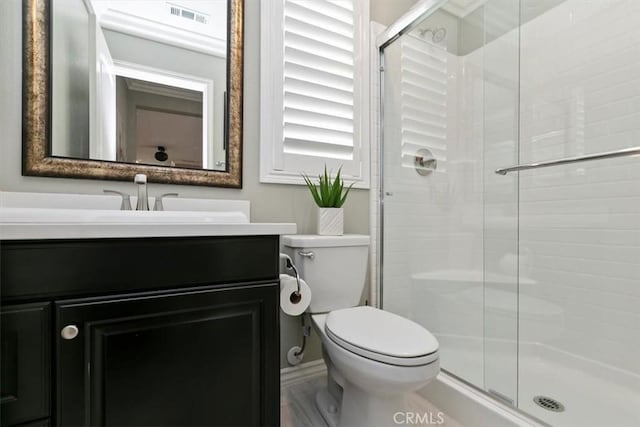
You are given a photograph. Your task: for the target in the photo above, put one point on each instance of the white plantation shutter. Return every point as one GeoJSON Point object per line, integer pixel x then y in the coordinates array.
{"type": "Point", "coordinates": [318, 78]}
{"type": "Point", "coordinates": [312, 103]}
{"type": "Point", "coordinates": [424, 100]}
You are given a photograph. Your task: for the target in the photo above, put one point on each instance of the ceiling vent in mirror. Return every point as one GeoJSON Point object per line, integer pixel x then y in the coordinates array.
{"type": "Point", "coordinates": [189, 14]}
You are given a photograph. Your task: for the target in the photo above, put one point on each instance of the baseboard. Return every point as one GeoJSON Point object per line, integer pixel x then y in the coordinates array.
{"type": "Point", "coordinates": [302, 372]}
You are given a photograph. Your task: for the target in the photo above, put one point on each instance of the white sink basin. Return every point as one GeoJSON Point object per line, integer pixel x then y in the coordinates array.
{"type": "Point", "coordinates": [72, 216]}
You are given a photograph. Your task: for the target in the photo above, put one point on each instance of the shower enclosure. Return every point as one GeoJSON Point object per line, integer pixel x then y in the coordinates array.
{"type": "Point", "coordinates": [510, 198]}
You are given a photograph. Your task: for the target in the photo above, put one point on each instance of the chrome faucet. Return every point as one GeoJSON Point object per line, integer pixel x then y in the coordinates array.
{"type": "Point", "coordinates": [143, 199]}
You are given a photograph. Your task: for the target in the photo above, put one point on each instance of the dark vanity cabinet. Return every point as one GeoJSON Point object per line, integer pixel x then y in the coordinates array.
{"type": "Point", "coordinates": [26, 362]}
{"type": "Point", "coordinates": [140, 332]}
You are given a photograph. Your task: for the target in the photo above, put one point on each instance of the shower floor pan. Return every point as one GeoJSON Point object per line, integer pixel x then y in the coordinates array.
{"type": "Point", "coordinates": [593, 394]}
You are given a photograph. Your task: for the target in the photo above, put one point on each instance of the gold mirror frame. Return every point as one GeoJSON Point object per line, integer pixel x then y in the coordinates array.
{"type": "Point", "coordinates": [36, 114]}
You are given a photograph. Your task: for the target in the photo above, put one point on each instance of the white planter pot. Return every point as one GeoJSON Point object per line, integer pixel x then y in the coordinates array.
{"type": "Point", "coordinates": [330, 221]}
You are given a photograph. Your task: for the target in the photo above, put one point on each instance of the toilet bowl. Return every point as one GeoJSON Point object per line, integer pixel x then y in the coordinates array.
{"type": "Point", "coordinates": [374, 358]}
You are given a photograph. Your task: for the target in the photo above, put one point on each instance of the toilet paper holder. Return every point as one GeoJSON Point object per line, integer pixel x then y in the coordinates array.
{"type": "Point", "coordinates": [291, 266]}
{"type": "Point", "coordinates": [295, 354]}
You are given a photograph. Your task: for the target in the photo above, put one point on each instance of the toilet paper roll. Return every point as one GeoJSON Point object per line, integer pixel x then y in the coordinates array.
{"type": "Point", "coordinates": [291, 302]}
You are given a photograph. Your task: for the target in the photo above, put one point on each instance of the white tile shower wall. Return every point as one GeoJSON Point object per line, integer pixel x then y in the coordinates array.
{"type": "Point", "coordinates": [580, 224]}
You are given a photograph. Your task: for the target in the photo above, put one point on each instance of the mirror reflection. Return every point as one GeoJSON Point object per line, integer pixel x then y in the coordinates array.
{"type": "Point", "coordinates": [140, 81]}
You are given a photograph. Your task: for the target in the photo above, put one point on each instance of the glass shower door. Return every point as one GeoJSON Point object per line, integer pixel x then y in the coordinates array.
{"type": "Point", "coordinates": [528, 279]}
{"type": "Point", "coordinates": [500, 142]}
{"type": "Point", "coordinates": [579, 318]}
{"type": "Point", "coordinates": [449, 229]}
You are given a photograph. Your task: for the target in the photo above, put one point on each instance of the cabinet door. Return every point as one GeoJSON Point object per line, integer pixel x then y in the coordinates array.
{"type": "Point", "coordinates": [201, 358]}
{"type": "Point", "coordinates": [25, 361]}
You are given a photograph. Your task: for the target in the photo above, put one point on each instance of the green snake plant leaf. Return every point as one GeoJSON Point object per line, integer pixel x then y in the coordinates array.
{"type": "Point", "coordinates": [336, 189]}
{"type": "Point", "coordinates": [324, 188]}
{"type": "Point", "coordinates": [328, 192]}
{"type": "Point", "coordinates": [313, 190]}
{"type": "Point", "coordinates": [344, 196]}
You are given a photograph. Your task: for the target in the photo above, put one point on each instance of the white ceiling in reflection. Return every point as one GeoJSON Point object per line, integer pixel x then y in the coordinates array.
{"type": "Point", "coordinates": [207, 18]}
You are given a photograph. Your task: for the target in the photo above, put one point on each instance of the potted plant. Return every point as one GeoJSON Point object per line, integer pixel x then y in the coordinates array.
{"type": "Point", "coordinates": [329, 194]}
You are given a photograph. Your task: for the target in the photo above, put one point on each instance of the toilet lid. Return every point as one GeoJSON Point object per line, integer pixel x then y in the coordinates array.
{"type": "Point", "coordinates": [382, 336]}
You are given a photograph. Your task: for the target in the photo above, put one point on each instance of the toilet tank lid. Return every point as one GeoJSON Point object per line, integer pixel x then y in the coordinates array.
{"type": "Point", "coordinates": [318, 241]}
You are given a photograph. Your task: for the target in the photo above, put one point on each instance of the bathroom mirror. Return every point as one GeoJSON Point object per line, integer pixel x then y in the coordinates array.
{"type": "Point", "coordinates": [118, 87]}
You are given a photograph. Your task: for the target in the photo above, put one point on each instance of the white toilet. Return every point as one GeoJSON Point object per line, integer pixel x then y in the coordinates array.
{"type": "Point", "coordinates": [374, 358]}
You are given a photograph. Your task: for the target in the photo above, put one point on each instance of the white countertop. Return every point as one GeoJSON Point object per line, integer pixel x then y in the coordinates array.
{"type": "Point", "coordinates": [32, 220]}
{"type": "Point", "coordinates": [105, 231]}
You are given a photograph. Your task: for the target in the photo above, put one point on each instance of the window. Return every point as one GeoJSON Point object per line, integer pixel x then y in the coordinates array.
{"type": "Point", "coordinates": [314, 90]}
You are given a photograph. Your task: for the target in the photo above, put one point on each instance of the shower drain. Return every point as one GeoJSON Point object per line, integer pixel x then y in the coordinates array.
{"type": "Point", "coordinates": [548, 403]}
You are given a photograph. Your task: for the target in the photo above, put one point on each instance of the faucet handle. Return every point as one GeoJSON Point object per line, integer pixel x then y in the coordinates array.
{"type": "Point", "coordinates": [126, 200]}
{"type": "Point", "coordinates": [158, 206]}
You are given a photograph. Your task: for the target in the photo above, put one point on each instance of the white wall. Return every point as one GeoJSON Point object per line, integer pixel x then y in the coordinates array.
{"type": "Point", "coordinates": [387, 11]}
{"type": "Point", "coordinates": [269, 202]}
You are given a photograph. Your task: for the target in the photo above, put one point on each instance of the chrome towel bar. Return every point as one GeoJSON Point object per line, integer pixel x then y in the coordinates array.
{"type": "Point", "coordinates": [635, 151]}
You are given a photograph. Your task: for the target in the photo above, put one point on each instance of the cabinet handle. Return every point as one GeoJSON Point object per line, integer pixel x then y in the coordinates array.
{"type": "Point", "coordinates": [7, 398]}
{"type": "Point", "coordinates": [69, 332]}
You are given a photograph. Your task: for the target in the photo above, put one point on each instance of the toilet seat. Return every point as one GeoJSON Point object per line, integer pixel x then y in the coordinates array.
{"type": "Point", "coordinates": [381, 336]}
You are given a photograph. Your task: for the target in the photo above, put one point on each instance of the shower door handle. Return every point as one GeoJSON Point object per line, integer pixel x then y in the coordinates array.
{"type": "Point", "coordinates": [625, 152]}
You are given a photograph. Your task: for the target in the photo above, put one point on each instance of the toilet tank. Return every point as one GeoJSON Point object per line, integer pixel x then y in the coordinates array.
{"type": "Point", "coordinates": [334, 267]}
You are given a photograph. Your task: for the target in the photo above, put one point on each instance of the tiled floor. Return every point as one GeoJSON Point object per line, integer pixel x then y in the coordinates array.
{"type": "Point", "coordinates": [298, 407]}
